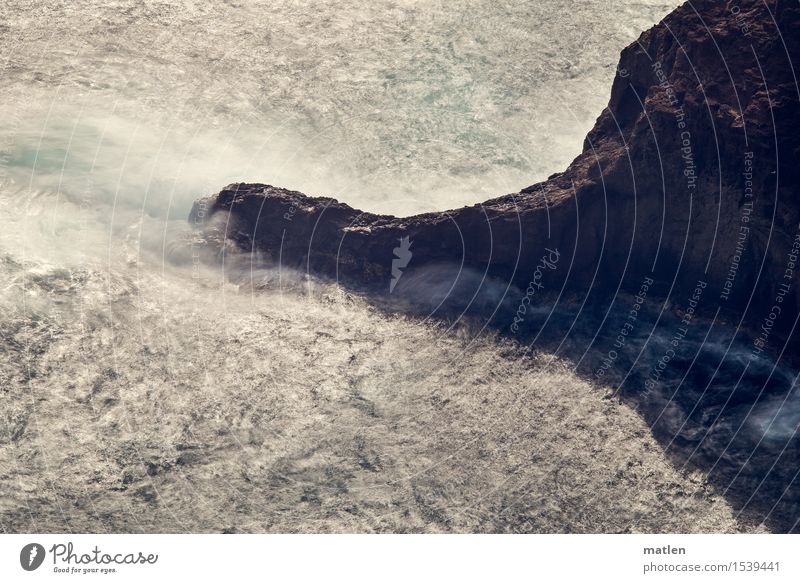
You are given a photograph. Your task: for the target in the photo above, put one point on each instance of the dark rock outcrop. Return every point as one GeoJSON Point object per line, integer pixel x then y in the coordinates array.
{"type": "Point", "coordinates": [689, 174]}
{"type": "Point", "coordinates": [688, 180]}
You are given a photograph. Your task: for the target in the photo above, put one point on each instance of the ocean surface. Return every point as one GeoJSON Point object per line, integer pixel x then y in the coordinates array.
{"type": "Point", "coordinates": [141, 395]}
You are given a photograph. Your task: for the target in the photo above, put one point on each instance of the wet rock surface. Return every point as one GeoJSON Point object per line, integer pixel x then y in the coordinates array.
{"type": "Point", "coordinates": [690, 173]}
{"type": "Point", "coordinates": [684, 200]}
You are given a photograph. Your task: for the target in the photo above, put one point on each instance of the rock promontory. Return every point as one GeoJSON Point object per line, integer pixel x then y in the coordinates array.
{"type": "Point", "coordinates": [689, 175]}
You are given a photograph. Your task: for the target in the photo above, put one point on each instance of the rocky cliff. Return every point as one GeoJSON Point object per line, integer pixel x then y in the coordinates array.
{"type": "Point", "coordinates": [689, 175]}
{"type": "Point", "coordinates": [683, 202]}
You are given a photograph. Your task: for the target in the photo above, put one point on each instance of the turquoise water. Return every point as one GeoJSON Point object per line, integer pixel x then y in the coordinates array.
{"type": "Point", "coordinates": [396, 106]}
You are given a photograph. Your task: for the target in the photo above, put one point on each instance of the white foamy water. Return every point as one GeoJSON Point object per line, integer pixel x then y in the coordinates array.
{"type": "Point", "coordinates": [394, 106]}
{"type": "Point", "coordinates": [145, 397]}
{"type": "Point", "coordinates": [139, 395]}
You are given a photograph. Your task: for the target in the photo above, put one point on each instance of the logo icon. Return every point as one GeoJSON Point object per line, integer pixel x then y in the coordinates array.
{"type": "Point", "coordinates": [402, 257]}
{"type": "Point", "coordinates": [31, 556]}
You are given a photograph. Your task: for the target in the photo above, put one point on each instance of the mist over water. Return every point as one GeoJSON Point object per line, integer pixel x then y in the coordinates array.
{"type": "Point", "coordinates": [396, 106]}
{"type": "Point", "coordinates": [147, 392]}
